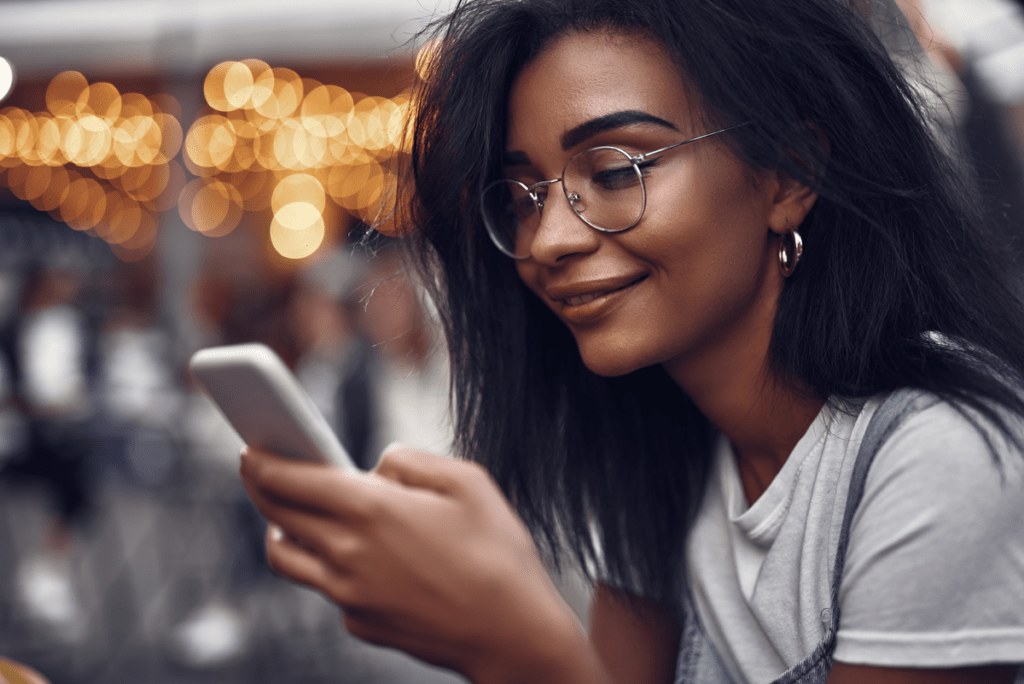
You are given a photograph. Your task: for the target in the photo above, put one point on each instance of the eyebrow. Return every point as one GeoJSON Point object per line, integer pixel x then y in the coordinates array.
{"type": "Point", "coordinates": [588, 129]}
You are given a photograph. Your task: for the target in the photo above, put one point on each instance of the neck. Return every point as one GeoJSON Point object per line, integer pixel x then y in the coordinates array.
{"type": "Point", "coordinates": [761, 415]}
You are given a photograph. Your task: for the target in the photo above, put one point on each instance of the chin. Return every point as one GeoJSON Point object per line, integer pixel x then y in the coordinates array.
{"type": "Point", "coordinates": [612, 362]}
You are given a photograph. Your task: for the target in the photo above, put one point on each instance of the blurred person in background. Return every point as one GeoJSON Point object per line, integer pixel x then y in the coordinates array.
{"type": "Point", "coordinates": [53, 360]}
{"type": "Point", "coordinates": [975, 53]}
{"type": "Point", "coordinates": [411, 378]}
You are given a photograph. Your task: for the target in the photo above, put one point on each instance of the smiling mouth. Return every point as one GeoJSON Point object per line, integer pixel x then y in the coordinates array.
{"type": "Point", "coordinates": [591, 296]}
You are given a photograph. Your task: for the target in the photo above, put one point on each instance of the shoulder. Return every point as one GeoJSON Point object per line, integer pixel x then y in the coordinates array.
{"type": "Point", "coordinates": [939, 443]}
{"type": "Point", "coordinates": [946, 460]}
{"type": "Point", "coordinates": [936, 545]}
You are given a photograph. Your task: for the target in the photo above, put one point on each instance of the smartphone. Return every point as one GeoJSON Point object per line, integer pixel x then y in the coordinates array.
{"type": "Point", "coordinates": [265, 404]}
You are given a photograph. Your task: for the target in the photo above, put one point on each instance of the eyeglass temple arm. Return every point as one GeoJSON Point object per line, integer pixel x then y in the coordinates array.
{"type": "Point", "coordinates": [641, 157]}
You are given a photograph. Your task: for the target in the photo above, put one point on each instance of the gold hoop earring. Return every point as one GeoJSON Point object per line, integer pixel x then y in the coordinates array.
{"type": "Point", "coordinates": [789, 254]}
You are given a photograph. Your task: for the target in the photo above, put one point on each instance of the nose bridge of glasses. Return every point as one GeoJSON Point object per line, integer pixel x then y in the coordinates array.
{"type": "Point", "coordinates": [540, 184]}
{"type": "Point", "coordinates": [573, 197]}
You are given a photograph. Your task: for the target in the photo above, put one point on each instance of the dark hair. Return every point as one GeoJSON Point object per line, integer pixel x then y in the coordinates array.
{"type": "Point", "coordinates": [894, 249]}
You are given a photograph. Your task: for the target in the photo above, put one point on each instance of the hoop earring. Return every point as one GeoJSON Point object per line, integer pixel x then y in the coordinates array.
{"type": "Point", "coordinates": [789, 255]}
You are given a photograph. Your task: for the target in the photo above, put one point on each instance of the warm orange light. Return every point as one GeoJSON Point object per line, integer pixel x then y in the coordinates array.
{"type": "Point", "coordinates": [48, 141]}
{"type": "Point", "coordinates": [213, 86]}
{"type": "Point", "coordinates": [262, 82]}
{"type": "Point", "coordinates": [56, 190]}
{"type": "Point", "coordinates": [7, 137]}
{"type": "Point", "coordinates": [211, 141]}
{"type": "Point", "coordinates": [210, 206]}
{"type": "Point", "coordinates": [278, 141]}
{"type": "Point", "coordinates": [168, 197]}
{"type": "Point", "coordinates": [170, 135]}
{"type": "Point", "coordinates": [424, 59]}
{"type": "Point", "coordinates": [36, 181]}
{"type": "Point", "coordinates": [16, 178]}
{"type": "Point", "coordinates": [299, 187]}
{"type": "Point", "coordinates": [255, 188]}
{"type": "Point", "coordinates": [145, 183]}
{"type": "Point", "coordinates": [285, 93]}
{"type": "Point", "coordinates": [85, 204]}
{"type": "Point", "coordinates": [63, 92]}
{"type": "Point", "coordinates": [358, 178]}
{"type": "Point", "coordinates": [134, 104]}
{"type": "Point", "coordinates": [99, 99]}
{"type": "Point", "coordinates": [141, 243]}
{"type": "Point", "coordinates": [28, 136]}
{"type": "Point", "coordinates": [297, 230]}
{"type": "Point", "coordinates": [86, 141]}
{"type": "Point", "coordinates": [317, 102]}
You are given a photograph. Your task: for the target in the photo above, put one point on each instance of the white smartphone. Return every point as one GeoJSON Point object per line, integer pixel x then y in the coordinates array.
{"type": "Point", "coordinates": [265, 404]}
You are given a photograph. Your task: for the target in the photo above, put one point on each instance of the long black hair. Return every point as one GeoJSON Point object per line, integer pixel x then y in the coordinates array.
{"type": "Point", "coordinates": [894, 250]}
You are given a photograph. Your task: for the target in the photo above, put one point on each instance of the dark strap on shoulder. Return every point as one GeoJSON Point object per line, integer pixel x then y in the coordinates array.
{"type": "Point", "coordinates": [893, 411]}
{"type": "Point", "coordinates": [700, 664]}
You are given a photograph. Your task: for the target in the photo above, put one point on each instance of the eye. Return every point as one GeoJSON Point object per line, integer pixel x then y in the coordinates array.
{"type": "Point", "coordinates": [647, 164]}
{"type": "Point", "coordinates": [618, 178]}
{"type": "Point", "coordinates": [522, 207]}
{"type": "Point", "coordinates": [602, 169]}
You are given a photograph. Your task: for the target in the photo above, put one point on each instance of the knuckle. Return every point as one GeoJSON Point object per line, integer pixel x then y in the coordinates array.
{"type": "Point", "coordinates": [342, 550]}
{"type": "Point", "coordinates": [477, 476]}
{"type": "Point", "coordinates": [368, 508]}
{"type": "Point", "coordinates": [339, 594]}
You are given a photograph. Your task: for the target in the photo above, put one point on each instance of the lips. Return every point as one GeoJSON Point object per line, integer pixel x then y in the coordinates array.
{"type": "Point", "coordinates": [587, 301]}
{"type": "Point", "coordinates": [580, 300]}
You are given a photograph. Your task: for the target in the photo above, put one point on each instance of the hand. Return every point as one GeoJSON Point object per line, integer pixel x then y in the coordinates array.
{"type": "Point", "coordinates": [17, 673]}
{"type": "Point", "coordinates": [424, 554]}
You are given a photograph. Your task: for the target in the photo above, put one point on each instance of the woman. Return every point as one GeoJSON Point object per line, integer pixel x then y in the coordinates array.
{"type": "Point", "coordinates": [676, 368]}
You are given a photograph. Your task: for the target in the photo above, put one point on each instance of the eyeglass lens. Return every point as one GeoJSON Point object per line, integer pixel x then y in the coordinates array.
{"type": "Point", "coordinates": [602, 184]}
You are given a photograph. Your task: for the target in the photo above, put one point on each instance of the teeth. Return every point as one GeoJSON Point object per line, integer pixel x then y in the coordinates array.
{"type": "Point", "coordinates": [581, 300]}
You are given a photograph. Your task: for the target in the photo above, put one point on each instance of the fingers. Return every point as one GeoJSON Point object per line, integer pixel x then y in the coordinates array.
{"type": "Point", "coordinates": [291, 560]}
{"type": "Point", "coordinates": [312, 486]}
{"type": "Point", "coordinates": [414, 468]}
{"type": "Point", "coordinates": [312, 528]}
{"type": "Point", "coordinates": [14, 672]}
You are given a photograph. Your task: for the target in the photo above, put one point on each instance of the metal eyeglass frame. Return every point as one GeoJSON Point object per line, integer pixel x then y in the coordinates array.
{"type": "Point", "coordinates": [572, 197]}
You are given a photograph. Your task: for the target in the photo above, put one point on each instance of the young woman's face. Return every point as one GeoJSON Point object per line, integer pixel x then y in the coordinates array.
{"type": "Point", "coordinates": [699, 270]}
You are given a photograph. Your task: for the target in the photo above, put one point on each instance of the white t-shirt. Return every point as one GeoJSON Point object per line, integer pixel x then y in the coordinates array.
{"type": "Point", "coordinates": [934, 572]}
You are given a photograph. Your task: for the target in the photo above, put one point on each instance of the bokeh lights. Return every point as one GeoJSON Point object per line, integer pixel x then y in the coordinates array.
{"type": "Point", "coordinates": [96, 159]}
{"type": "Point", "coordinates": [269, 145]}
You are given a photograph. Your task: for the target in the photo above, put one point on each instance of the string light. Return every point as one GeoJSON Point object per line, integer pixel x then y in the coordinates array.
{"type": "Point", "coordinates": [104, 162]}
{"type": "Point", "coordinates": [96, 159]}
{"type": "Point", "coordinates": [287, 144]}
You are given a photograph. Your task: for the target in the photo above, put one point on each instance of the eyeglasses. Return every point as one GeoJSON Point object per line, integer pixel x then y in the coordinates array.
{"type": "Point", "coordinates": [604, 186]}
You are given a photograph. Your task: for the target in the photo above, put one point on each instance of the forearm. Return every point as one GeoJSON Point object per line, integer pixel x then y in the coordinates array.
{"type": "Point", "coordinates": [562, 655]}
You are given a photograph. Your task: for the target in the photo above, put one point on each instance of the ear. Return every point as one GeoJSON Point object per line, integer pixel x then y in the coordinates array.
{"type": "Point", "coordinates": [793, 200]}
{"type": "Point", "coordinates": [791, 203]}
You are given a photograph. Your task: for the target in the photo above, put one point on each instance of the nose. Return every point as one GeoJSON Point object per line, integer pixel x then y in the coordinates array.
{"type": "Point", "coordinates": [561, 233]}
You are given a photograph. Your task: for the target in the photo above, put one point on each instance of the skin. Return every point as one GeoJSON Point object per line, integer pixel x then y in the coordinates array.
{"type": "Point", "coordinates": [12, 672]}
{"type": "Point", "coordinates": [424, 552]}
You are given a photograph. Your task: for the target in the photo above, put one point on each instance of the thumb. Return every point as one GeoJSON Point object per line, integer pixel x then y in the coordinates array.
{"type": "Point", "coordinates": [415, 468]}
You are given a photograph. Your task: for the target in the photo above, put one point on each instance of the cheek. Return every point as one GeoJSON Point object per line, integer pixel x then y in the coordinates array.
{"type": "Point", "coordinates": [712, 221]}
{"type": "Point", "coordinates": [529, 273]}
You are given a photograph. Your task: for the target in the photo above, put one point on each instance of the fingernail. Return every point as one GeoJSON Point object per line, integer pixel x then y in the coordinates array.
{"type": "Point", "coordinates": [393, 446]}
{"type": "Point", "coordinates": [276, 533]}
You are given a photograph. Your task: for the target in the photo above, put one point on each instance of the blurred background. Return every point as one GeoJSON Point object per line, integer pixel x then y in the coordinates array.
{"type": "Point", "coordinates": [177, 175]}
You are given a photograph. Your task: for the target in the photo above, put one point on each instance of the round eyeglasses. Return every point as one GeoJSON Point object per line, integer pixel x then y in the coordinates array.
{"type": "Point", "coordinates": [604, 186]}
